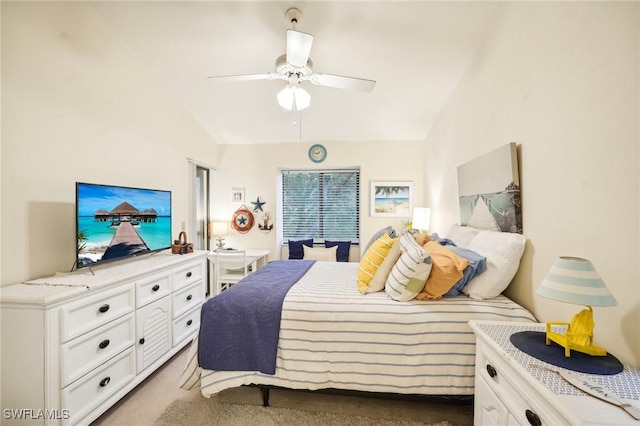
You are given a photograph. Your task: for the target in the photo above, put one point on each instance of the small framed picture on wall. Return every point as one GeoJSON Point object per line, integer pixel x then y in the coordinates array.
{"type": "Point", "coordinates": [237, 195]}
{"type": "Point", "coordinates": [391, 199]}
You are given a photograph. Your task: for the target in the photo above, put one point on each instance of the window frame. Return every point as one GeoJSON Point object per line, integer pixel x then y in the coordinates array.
{"type": "Point", "coordinates": [355, 240]}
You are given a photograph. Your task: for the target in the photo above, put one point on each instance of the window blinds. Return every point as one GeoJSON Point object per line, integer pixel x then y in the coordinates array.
{"type": "Point", "coordinates": [323, 205]}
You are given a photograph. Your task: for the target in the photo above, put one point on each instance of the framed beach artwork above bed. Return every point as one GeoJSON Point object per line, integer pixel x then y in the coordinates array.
{"type": "Point", "coordinates": [489, 191]}
{"type": "Point", "coordinates": [391, 199]}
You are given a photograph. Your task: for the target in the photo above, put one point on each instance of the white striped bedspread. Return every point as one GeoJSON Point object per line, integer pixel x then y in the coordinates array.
{"type": "Point", "coordinates": [331, 336]}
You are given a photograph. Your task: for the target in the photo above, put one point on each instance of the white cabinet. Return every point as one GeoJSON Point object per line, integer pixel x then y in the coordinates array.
{"type": "Point", "coordinates": [74, 344]}
{"type": "Point", "coordinates": [153, 332]}
{"type": "Point", "coordinates": [512, 389]}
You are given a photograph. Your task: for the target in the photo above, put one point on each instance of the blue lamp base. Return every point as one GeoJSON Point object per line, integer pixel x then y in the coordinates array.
{"type": "Point", "coordinates": [533, 343]}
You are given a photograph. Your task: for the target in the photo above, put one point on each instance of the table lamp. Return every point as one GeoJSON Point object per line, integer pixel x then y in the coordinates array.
{"type": "Point", "coordinates": [575, 280]}
{"type": "Point", "coordinates": [421, 218]}
{"type": "Point", "coordinates": [219, 229]}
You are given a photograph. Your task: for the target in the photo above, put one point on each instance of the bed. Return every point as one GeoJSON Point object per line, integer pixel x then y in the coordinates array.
{"type": "Point", "coordinates": [332, 336]}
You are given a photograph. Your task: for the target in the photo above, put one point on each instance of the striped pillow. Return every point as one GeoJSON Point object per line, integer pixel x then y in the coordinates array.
{"type": "Point", "coordinates": [411, 271]}
{"type": "Point", "coordinates": [372, 259]}
{"type": "Point", "coordinates": [381, 275]}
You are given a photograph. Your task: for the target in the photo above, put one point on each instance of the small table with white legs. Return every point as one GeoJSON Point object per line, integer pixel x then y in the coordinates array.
{"type": "Point", "coordinates": [256, 258]}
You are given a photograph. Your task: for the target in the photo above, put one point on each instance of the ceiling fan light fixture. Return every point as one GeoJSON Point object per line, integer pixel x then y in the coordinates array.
{"type": "Point", "coordinates": [294, 97]}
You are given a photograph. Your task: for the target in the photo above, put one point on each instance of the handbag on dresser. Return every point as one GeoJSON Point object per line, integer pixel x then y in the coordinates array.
{"type": "Point", "coordinates": [181, 246]}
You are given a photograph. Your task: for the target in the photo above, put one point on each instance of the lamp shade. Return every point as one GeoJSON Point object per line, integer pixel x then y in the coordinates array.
{"type": "Point", "coordinates": [421, 218]}
{"type": "Point", "coordinates": [220, 228]}
{"type": "Point", "coordinates": [575, 280]}
{"type": "Point", "coordinates": [294, 97]}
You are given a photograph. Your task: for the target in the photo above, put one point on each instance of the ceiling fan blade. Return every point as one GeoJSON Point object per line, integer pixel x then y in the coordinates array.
{"type": "Point", "coordinates": [341, 82]}
{"type": "Point", "coordinates": [298, 47]}
{"type": "Point", "coordinates": [247, 77]}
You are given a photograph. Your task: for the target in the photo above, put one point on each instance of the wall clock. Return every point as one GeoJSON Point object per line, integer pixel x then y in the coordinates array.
{"type": "Point", "coordinates": [317, 153]}
{"type": "Point", "coordinates": [242, 220]}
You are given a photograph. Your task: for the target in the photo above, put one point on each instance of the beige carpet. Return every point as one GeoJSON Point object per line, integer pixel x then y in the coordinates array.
{"type": "Point", "coordinates": [147, 403]}
{"type": "Point", "coordinates": [208, 412]}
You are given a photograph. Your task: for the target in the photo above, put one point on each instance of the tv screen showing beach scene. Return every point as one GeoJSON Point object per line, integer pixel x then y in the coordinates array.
{"type": "Point", "coordinates": [116, 222]}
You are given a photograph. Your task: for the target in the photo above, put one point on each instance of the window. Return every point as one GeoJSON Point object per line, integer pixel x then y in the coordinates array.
{"type": "Point", "coordinates": [323, 205]}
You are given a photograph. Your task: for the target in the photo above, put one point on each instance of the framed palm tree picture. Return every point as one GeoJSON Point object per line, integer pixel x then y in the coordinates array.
{"type": "Point", "coordinates": [391, 199]}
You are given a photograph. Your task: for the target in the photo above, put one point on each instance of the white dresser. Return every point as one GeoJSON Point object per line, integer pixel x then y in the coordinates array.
{"type": "Point", "coordinates": [74, 344]}
{"type": "Point", "coordinates": [513, 388]}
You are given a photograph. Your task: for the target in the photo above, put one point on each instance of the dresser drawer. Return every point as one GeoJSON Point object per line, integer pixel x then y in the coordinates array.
{"type": "Point", "coordinates": [187, 298]}
{"type": "Point", "coordinates": [152, 288]}
{"type": "Point", "coordinates": [83, 354]}
{"type": "Point", "coordinates": [91, 312]}
{"type": "Point", "coordinates": [82, 396]}
{"type": "Point", "coordinates": [504, 383]}
{"type": "Point", "coordinates": [186, 326]}
{"type": "Point", "coordinates": [187, 274]}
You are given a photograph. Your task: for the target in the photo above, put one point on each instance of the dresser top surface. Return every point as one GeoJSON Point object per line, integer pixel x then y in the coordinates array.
{"type": "Point", "coordinates": [43, 291]}
{"type": "Point", "coordinates": [626, 384]}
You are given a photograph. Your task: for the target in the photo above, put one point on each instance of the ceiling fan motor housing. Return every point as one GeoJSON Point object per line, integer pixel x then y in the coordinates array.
{"type": "Point", "coordinates": [285, 68]}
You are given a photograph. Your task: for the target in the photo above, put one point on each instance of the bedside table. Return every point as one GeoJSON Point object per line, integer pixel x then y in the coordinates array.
{"type": "Point", "coordinates": [512, 388]}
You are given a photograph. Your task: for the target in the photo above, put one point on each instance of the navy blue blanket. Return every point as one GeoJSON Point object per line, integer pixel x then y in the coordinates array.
{"type": "Point", "coordinates": [239, 328]}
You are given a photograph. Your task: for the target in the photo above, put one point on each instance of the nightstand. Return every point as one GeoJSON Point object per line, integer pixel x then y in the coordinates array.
{"type": "Point", "coordinates": [515, 388]}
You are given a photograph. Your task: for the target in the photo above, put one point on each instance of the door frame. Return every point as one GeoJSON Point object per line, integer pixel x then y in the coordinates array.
{"type": "Point", "coordinates": [192, 213]}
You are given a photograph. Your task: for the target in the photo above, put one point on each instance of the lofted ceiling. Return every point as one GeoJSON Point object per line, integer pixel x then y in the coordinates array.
{"type": "Point", "coordinates": [416, 51]}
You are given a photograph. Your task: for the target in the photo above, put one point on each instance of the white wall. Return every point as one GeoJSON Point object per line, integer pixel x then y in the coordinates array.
{"type": "Point", "coordinates": [78, 105]}
{"type": "Point", "coordinates": [256, 168]}
{"type": "Point", "coordinates": [560, 79]}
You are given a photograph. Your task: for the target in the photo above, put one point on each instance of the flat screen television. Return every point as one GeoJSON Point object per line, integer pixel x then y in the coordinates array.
{"type": "Point", "coordinates": [117, 222]}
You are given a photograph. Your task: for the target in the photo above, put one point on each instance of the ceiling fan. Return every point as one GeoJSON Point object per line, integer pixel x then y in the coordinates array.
{"type": "Point", "coordinates": [296, 67]}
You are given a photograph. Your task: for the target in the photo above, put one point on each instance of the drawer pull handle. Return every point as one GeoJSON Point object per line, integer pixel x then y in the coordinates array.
{"type": "Point", "coordinates": [104, 344]}
{"type": "Point", "coordinates": [189, 297]}
{"type": "Point", "coordinates": [156, 287]}
{"type": "Point", "coordinates": [104, 382]}
{"type": "Point", "coordinates": [104, 308]}
{"type": "Point", "coordinates": [189, 274]}
{"type": "Point", "coordinates": [189, 322]}
{"type": "Point", "coordinates": [492, 371]}
{"type": "Point", "coordinates": [533, 418]}
{"type": "Point", "coordinates": [141, 341]}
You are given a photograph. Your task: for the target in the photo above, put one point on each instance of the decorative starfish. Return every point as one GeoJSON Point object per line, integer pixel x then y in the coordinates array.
{"type": "Point", "coordinates": [257, 204]}
{"type": "Point", "coordinates": [242, 220]}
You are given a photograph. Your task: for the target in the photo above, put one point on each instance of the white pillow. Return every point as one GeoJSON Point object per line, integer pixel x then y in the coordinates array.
{"type": "Point", "coordinates": [503, 251]}
{"type": "Point", "coordinates": [321, 253]}
{"type": "Point", "coordinates": [462, 235]}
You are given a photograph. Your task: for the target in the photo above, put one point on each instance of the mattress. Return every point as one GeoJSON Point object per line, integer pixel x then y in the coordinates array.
{"type": "Point", "coordinates": [331, 336]}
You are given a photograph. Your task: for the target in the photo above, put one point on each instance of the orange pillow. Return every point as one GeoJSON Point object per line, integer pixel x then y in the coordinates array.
{"type": "Point", "coordinates": [447, 270]}
{"type": "Point", "coordinates": [422, 239]}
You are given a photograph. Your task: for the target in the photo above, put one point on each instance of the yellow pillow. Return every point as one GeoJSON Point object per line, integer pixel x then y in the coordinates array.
{"type": "Point", "coordinates": [447, 269]}
{"type": "Point", "coordinates": [372, 259]}
{"type": "Point", "coordinates": [381, 275]}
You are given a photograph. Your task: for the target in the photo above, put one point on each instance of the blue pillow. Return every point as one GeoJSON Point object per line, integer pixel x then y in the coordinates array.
{"type": "Point", "coordinates": [477, 265]}
{"type": "Point", "coordinates": [342, 254]}
{"type": "Point", "coordinates": [295, 248]}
